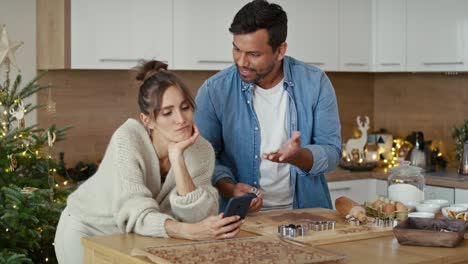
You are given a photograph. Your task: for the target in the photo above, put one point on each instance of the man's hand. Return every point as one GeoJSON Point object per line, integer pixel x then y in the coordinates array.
{"type": "Point", "coordinates": [287, 152]}
{"type": "Point", "coordinates": [241, 189]}
{"type": "Point", "coordinates": [291, 152]}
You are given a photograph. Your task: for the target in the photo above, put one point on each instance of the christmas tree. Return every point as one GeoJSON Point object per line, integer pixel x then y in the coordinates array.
{"type": "Point", "coordinates": [30, 199]}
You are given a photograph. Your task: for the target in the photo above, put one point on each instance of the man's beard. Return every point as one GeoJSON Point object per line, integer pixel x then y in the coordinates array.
{"type": "Point", "coordinates": [259, 76]}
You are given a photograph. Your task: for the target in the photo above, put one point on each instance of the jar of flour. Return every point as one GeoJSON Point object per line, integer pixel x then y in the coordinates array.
{"type": "Point", "coordinates": [406, 184]}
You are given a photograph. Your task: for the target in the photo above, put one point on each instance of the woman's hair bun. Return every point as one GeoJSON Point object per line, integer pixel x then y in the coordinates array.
{"type": "Point", "coordinates": [146, 69]}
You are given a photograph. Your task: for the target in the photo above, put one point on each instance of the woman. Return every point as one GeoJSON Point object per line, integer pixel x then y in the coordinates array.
{"type": "Point", "coordinates": [154, 179]}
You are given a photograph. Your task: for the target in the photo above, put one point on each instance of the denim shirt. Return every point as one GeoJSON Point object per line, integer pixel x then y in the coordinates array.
{"type": "Point", "coordinates": [225, 117]}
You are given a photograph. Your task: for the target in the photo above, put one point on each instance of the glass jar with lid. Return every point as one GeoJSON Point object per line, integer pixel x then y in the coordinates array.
{"type": "Point", "coordinates": [406, 184]}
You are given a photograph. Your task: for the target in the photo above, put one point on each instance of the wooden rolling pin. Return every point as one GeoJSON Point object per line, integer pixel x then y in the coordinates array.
{"type": "Point", "coordinates": [346, 206]}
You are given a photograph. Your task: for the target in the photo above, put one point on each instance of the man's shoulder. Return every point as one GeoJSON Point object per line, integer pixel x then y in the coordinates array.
{"type": "Point", "coordinates": [226, 75]}
{"type": "Point", "coordinates": [296, 66]}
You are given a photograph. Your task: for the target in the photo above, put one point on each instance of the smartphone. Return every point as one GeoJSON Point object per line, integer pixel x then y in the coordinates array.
{"type": "Point", "coordinates": [239, 205]}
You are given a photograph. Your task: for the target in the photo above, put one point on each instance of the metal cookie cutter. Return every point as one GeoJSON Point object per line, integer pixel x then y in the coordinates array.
{"type": "Point", "coordinates": [385, 222]}
{"type": "Point", "coordinates": [321, 225]}
{"type": "Point", "coordinates": [352, 220]}
{"type": "Point", "coordinates": [292, 230]}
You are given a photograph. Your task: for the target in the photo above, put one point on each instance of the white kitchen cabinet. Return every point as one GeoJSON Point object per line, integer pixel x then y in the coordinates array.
{"type": "Point", "coordinates": [435, 192]}
{"type": "Point", "coordinates": [461, 196]}
{"type": "Point", "coordinates": [202, 40]}
{"type": "Point", "coordinates": [389, 35]}
{"type": "Point", "coordinates": [116, 34]}
{"type": "Point", "coordinates": [354, 35]}
{"type": "Point", "coordinates": [437, 32]}
{"type": "Point", "coordinates": [358, 190]}
{"type": "Point", "coordinates": [381, 188]}
{"type": "Point", "coordinates": [313, 31]}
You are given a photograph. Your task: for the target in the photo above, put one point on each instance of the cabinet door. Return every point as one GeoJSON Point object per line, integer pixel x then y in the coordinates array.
{"type": "Point", "coordinates": [313, 31]}
{"type": "Point", "coordinates": [202, 40]}
{"type": "Point", "coordinates": [434, 192]}
{"type": "Point", "coordinates": [355, 35]}
{"type": "Point", "coordinates": [389, 35]}
{"type": "Point", "coordinates": [381, 189]}
{"type": "Point", "coordinates": [117, 34]}
{"type": "Point", "coordinates": [436, 32]}
{"type": "Point", "coordinates": [358, 190]}
{"type": "Point", "coordinates": [461, 196]}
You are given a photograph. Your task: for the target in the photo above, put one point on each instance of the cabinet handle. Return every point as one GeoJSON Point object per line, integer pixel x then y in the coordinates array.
{"type": "Point", "coordinates": [444, 63]}
{"type": "Point", "coordinates": [340, 189]}
{"type": "Point", "coordinates": [124, 60]}
{"type": "Point", "coordinates": [390, 64]}
{"type": "Point", "coordinates": [214, 61]}
{"type": "Point", "coordinates": [316, 63]}
{"type": "Point", "coordinates": [355, 64]}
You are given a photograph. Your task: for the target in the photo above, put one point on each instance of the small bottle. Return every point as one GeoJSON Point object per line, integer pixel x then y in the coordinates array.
{"type": "Point", "coordinates": [464, 160]}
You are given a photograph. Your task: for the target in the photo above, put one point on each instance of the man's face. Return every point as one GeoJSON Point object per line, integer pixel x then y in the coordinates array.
{"type": "Point", "coordinates": [253, 55]}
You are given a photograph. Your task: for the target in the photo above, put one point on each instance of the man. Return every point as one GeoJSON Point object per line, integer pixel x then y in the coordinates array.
{"type": "Point", "coordinates": [272, 120]}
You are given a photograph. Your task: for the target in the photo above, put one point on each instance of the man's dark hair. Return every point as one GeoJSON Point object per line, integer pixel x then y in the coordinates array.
{"type": "Point", "coordinates": [259, 14]}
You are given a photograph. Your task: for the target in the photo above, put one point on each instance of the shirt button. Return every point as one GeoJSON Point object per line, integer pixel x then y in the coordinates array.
{"type": "Point", "coordinates": [256, 128]}
{"type": "Point", "coordinates": [248, 102]}
{"type": "Point", "coordinates": [255, 183]}
{"type": "Point", "coordinates": [256, 156]}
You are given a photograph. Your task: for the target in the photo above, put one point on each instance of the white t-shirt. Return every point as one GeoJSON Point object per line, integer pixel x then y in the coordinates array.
{"type": "Point", "coordinates": [271, 107]}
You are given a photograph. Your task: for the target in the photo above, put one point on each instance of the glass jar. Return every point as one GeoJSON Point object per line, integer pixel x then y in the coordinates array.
{"type": "Point", "coordinates": [406, 184]}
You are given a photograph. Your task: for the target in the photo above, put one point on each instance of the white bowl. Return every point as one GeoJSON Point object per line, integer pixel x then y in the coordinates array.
{"type": "Point", "coordinates": [460, 205]}
{"type": "Point", "coordinates": [452, 208]}
{"type": "Point", "coordinates": [421, 215]}
{"type": "Point", "coordinates": [428, 208]}
{"type": "Point", "coordinates": [440, 202]}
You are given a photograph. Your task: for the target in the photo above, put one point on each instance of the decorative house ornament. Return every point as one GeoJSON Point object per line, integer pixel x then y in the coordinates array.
{"type": "Point", "coordinates": [358, 143]}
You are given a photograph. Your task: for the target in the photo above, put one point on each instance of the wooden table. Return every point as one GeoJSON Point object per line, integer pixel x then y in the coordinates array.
{"type": "Point", "coordinates": [117, 248]}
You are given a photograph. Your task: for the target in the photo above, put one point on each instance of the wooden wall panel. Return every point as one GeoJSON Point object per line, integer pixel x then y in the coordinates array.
{"type": "Point", "coordinates": [432, 103]}
{"type": "Point", "coordinates": [95, 103]}
{"type": "Point", "coordinates": [355, 96]}
{"type": "Point", "coordinates": [53, 34]}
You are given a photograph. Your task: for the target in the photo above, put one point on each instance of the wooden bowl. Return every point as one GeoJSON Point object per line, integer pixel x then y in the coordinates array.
{"type": "Point", "coordinates": [430, 232]}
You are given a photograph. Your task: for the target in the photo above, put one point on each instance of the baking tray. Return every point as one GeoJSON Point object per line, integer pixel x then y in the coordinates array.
{"type": "Point", "coordinates": [430, 232]}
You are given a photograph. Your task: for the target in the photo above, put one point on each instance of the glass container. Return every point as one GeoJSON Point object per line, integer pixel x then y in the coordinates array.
{"type": "Point", "coordinates": [406, 184]}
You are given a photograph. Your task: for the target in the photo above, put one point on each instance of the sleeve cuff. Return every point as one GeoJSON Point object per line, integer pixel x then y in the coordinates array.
{"type": "Point", "coordinates": [194, 206]}
{"type": "Point", "coordinates": [184, 201]}
{"type": "Point", "coordinates": [155, 225]}
{"type": "Point", "coordinates": [320, 165]}
{"type": "Point", "coordinates": [221, 173]}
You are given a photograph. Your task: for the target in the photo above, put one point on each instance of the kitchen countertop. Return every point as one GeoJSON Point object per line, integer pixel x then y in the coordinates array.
{"type": "Point", "coordinates": [117, 248]}
{"type": "Point", "coordinates": [448, 178]}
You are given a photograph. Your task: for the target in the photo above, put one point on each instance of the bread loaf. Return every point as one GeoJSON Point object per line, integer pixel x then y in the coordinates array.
{"type": "Point", "coordinates": [346, 206]}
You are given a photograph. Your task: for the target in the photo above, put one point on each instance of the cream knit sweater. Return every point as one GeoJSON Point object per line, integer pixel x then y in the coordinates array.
{"type": "Point", "coordinates": [126, 194]}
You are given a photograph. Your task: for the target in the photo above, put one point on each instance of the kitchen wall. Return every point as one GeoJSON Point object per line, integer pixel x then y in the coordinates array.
{"type": "Point", "coordinates": [432, 103]}
{"type": "Point", "coordinates": [23, 29]}
{"type": "Point", "coordinates": [97, 102]}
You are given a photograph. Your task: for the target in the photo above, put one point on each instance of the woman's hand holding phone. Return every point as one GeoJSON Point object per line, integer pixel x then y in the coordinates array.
{"type": "Point", "coordinates": [217, 227]}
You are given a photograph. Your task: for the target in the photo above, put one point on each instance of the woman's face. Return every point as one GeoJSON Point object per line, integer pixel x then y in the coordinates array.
{"type": "Point", "coordinates": [174, 121]}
